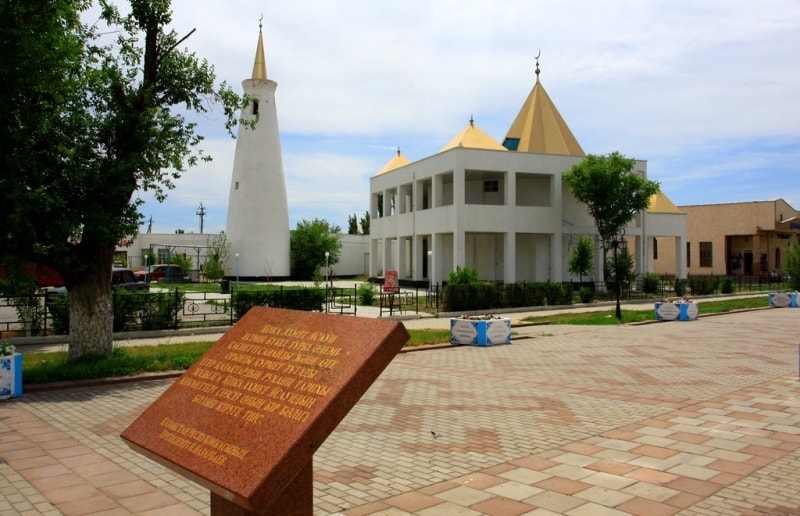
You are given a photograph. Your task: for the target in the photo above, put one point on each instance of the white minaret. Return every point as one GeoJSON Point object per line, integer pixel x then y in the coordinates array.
{"type": "Point", "coordinates": [258, 213]}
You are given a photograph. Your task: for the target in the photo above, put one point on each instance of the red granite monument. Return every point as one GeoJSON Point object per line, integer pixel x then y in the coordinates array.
{"type": "Point", "coordinates": [247, 417]}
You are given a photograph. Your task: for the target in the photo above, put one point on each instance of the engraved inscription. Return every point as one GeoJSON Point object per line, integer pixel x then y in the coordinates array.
{"type": "Point", "coordinates": [272, 371]}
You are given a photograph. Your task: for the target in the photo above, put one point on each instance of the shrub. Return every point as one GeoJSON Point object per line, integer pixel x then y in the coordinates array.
{"type": "Point", "coordinates": [703, 285]}
{"type": "Point", "coordinates": [367, 292]}
{"type": "Point", "coordinates": [586, 294]}
{"type": "Point", "coordinates": [726, 285]}
{"type": "Point", "coordinates": [680, 286]}
{"type": "Point", "coordinates": [650, 282]}
{"type": "Point", "coordinates": [463, 276]}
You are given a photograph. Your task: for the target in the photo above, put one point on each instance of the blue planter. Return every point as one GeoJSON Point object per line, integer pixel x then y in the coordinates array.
{"type": "Point", "coordinates": [676, 311]}
{"type": "Point", "coordinates": [11, 376]}
{"type": "Point", "coordinates": [783, 299]}
{"type": "Point", "coordinates": [480, 333]}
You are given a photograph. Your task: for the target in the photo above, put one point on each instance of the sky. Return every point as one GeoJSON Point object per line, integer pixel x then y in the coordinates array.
{"type": "Point", "coordinates": [707, 92]}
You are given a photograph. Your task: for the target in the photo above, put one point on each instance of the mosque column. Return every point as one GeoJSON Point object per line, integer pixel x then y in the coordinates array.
{"type": "Point", "coordinates": [510, 257]}
{"type": "Point", "coordinates": [680, 257]}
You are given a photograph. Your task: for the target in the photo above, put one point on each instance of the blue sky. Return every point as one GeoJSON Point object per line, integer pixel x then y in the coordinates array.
{"type": "Point", "coordinates": [705, 91]}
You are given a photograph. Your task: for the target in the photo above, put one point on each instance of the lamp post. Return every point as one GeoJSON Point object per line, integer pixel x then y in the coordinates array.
{"type": "Point", "coordinates": [327, 269]}
{"type": "Point", "coordinates": [237, 271]}
{"type": "Point", "coordinates": [146, 266]}
{"type": "Point", "coordinates": [617, 242]}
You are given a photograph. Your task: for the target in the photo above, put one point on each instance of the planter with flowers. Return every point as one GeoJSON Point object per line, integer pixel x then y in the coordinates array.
{"type": "Point", "coordinates": [10, 372]}
{"type": "Point", "coordinates": [676, 310]}
{"type": "Point", "coordinates": [480, 330]}
{"type": "Point", "coordinates": [783, 299]}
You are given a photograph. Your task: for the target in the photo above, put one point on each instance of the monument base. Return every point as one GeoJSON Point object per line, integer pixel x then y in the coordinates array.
{"type": "Point", "coordinates": [296, 500]}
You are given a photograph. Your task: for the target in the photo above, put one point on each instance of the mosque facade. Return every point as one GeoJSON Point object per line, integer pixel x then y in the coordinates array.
{"type": "Point", "coordinates": [502, 209]}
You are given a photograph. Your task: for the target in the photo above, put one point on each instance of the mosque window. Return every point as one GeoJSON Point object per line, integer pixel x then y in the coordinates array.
{"type": "Point", "coordinates": [255, 107]}
{"type": "Point", "coordinates": [688, 254]}
{"type": "Point", "coordinates": [705, 254]}
{"type": "Point", "coordinates": [236, 185]}
{"type": "Point", "coordinates": [655, 249]}
{"type": "Point", "coordinates": [491, 186]}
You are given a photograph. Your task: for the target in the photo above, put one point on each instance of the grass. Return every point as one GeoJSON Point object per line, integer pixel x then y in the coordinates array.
{"type": "Point", "coordinates": [129, 361]}
{"type": "Point", "coordinates": [607, 317]}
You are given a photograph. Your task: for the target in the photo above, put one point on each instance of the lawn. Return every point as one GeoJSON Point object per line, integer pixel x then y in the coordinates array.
{"type": "Point", "coordinates": [129, 361]}
{"type": "Point", "coordinates": [133, 360]}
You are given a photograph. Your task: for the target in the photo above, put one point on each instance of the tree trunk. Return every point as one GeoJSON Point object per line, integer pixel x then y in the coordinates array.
{"type": "Point", "coordinates": [90, 315]}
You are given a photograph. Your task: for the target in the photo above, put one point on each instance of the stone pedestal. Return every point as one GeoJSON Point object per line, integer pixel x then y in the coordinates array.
{"type": "Point", "coordinates": [246, 418]}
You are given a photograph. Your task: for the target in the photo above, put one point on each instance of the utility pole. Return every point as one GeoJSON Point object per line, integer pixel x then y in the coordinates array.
{"type": "Point", "coordinates": [202, 212]}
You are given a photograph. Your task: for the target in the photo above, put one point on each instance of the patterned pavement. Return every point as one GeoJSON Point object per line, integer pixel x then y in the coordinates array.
{"type": "Point", "coordinates": [689, 418]}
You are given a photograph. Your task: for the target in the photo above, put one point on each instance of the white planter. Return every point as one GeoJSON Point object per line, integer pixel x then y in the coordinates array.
{"type": "Point", "coordinates": [676, 311]}
{"type": "Point", "coordinates": [11, 376]}
{"type": "Point", "coordinates": [480, 332]}
{"type": "Point", "coordinates": [783, 299]}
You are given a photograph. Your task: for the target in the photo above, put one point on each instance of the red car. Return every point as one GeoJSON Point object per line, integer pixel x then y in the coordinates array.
{"type": "Point", "coordinates": [161, 272]}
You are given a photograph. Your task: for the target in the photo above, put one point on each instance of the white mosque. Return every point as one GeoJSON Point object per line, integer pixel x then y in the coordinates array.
{"type": "Point", "coordinates": [502, 209]}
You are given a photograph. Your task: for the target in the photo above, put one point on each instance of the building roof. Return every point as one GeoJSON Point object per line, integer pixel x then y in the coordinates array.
{"type": "Point", "coordinates": [473, 137]}
{"type": "Point", "coordinates": [260, 64]}
{"type": "Point", "coordinates": [396, 162]}
{"type": "Point", "coordinates": [660, 203]}
{"type": "Point", "coordinates": [539, 126]}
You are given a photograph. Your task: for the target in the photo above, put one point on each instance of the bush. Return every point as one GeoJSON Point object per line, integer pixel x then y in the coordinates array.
{"type": "Point", "coordinates": [650, 283]}
{"type": "Point", "coordinates": [726, 285]}
{"type": "Point", "coordinates": [703, 285]}
{"type": "Point", "coordinates": [463, 276]}
{"type": "Point", "coordinates": [680, 286]}
{"type": "Point", "coordinates": [586, 294]}
{"type": "Point", "coordinates": [367, 293]}
{"type": "Point", "coordinates": [308, 299]}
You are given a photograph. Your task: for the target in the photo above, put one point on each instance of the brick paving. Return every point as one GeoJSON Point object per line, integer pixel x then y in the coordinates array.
{"type": "Point", "coordinates": [688, 418]}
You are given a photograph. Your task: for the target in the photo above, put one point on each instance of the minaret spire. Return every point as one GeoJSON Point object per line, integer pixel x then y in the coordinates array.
{"type": "Point", "coordinates": [260, 64]}
{"type": "Point", "coordinates": [537, 64]}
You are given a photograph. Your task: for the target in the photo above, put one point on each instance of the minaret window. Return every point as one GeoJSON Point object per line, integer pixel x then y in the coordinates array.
{"type": "Point", "coordinates": [255, 107]}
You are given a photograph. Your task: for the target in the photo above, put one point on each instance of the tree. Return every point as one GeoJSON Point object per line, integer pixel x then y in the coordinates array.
{"type": "Point", "coordinates": [365, 223]}
{"type": "Point", "coordinates": [216, 257]}
{"type": "Point", "coordinates": [309, 242]}
{"type": "Point", "coordinates": [352, 224]}
{"type": "Point", "coordinates": [580, 263]}
{"type": "Point", "coordinates": [792, 264]}
{"type": "Point", "coordinates": [91, 115]}
{"type": "Point", "coordinates": [613, 192]}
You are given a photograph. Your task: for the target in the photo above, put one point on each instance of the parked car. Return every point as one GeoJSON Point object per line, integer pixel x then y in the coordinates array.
{"type": "Point", "coordinates": [161, 272]}
{"type": "Point", "coordinates": [121, 278]}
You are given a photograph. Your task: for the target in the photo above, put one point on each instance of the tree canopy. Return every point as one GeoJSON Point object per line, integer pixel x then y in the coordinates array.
{"type": "Point", "coordinates": [611, 189]}
{"type": "Point", "coordinates": [92, 114]}
{"type": "Point", "coordinates": [309, 242]}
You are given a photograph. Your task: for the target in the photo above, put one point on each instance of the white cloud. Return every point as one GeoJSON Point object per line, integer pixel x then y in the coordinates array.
{"type": "Point", "coordinates": [656, 80]}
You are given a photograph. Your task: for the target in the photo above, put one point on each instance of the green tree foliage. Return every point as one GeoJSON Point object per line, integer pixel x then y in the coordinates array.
{"type": "Point", "coordinates": [463, 276]}
{"type": "Point", "coordinates": [352, 224]}
{"type": "Point", "coordinates": [792, 264]}
{"type": "Point", "coordinates": [365, 223]}
{"type": "Point", "coordinates": [612, 190]}
{"type": "Point", "coordinates": [216, 257]}
{"type": "Point", "coordinates": [309, 242]}
{"type": "Point", "coordinates": [580, 263]}
{"type": "Point", "coordinates": [92, 114]}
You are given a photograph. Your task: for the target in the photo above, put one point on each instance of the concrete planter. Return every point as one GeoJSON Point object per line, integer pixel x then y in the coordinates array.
{"type": "Point", "coordinates": [480, 332]}
{"type": "Point", "coordinates": [11, 376]}
{"type": "Point", "coordinates": [676, 311]}
{"type": "Point", "coordinates": [783, 299]}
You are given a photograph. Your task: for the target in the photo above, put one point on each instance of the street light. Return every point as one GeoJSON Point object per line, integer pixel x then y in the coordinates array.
{"type": "Point", "coordinates": [617, 242]}
{"type": "Point", "coordinates": [237, 271]}
{"type": "Point", "coordinates": [327, 269]}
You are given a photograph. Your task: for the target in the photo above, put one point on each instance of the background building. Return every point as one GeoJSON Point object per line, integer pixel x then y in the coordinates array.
{"type": "Point", "coordinates": [740, 239]}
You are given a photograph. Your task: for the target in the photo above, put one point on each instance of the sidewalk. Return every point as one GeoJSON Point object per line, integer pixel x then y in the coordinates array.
{"type": "Point", "coordinates": [690, 418]}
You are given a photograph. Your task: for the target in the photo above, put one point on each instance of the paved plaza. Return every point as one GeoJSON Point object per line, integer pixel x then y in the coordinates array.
{"type": "Point", "coordinates": [690, 418]}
